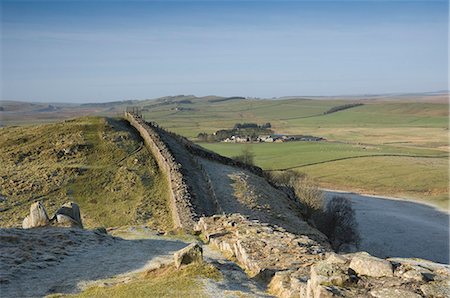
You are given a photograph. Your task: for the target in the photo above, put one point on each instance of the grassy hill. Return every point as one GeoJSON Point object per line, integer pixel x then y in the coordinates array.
{"type": "Point", "coordinates": [100, 163]}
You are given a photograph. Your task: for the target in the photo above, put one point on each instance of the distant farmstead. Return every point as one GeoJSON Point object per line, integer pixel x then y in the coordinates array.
{"type": "Point", "coordinates": [277, 138]}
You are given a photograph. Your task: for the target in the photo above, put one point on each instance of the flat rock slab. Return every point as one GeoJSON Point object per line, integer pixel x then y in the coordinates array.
{"type": "Point", "coordinates": [371, 266]}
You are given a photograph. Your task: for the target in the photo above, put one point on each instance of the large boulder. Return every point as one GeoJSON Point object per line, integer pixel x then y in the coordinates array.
{"type": "Point", "coordinates": [193, 253]}
{"type": "Point", "coordinates": [69, 215]}
{"type": "Point", "coordinates": [365, 264]}
{"type": "Point", "coordinates": [37, 218]}
{"type": "Point", "coordinates": [439, 289]}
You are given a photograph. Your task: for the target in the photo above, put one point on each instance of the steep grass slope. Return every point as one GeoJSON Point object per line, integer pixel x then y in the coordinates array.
{"type": "Point", "coordinates": [100, 163]}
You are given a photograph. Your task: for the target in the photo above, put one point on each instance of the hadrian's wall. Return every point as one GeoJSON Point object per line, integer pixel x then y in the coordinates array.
{"type": "Point", "coordinates": [183, 212]}
{"type": "Point", "coordinates": [202, 152]}
{"type": "Point", "coordinates": [185, 207]}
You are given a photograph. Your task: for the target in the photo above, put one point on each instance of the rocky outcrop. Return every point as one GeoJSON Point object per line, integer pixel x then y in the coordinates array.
{"type": "Point", "coordinates": [370, 266]}
{"type": "Point", "coordinates": [69, 215]}
{"type": "Point", "coordinates": [193, 253]}
{"type": "Point", "coordinates": [261, 249]}
{"type": "Point", "coordinates": [37, 218]}
{"type": "Point", "coordinates": [296, 266]}
{"type": "Point", "coordinates": [66, 216]}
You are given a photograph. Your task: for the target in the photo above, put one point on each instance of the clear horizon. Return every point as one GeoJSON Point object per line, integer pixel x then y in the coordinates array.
{"type": "Point", "coordinates": [79, 51]}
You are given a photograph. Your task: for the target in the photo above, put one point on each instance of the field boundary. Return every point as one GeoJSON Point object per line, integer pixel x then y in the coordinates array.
{"type": "Point", "coordinates": [183, 213]}
{"type": "Point", "coordinates": [354, 157]}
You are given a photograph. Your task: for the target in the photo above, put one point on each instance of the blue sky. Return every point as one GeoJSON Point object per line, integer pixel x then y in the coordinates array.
{"type": "Point", "coordinates": [80, 51]}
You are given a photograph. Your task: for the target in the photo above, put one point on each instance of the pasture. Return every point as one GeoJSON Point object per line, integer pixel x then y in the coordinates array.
{"type": "Point", "coordinates": [385, 147]}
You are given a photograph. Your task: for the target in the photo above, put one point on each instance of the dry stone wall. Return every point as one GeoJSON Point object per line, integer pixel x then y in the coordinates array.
{"type": "Point", "coordinates": [192, 193]}
{"type": "Point", "coordinates": [183, 212]}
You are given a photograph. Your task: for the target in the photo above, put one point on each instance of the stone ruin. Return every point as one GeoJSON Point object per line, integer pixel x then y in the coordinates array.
{"type": "Point", "coordinates": [67, 216]}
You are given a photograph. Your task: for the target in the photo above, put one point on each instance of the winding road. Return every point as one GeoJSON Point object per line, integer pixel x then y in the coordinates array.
{"type": "Point", "coordinates": [391, 227]}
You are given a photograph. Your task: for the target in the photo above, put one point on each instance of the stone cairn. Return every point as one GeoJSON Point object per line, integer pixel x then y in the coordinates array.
{"type": "Point", "coordinates": [66, 216]}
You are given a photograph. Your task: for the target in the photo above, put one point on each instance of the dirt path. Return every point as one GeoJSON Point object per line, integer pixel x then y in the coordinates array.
{"type": "Point", "coordinates": [400, 228]}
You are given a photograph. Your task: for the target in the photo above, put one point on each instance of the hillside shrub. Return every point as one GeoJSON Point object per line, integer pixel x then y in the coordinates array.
{"type": "Point", "coordinates": [304, 188]}
{"type": "Point", "coordinates": [335, 218]}
{"type": "Point", "coordinates": [340, 224]}
{"type": "Point", "coordinates": [246, 156]}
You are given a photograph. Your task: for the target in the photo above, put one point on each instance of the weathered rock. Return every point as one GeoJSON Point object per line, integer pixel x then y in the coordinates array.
{"type": "Point", "coordinates": [286, 284]}
{"type": "Point", "coordinates": [393, 293]}
{"type": "Point", "coordinates": [414, 275]}
{"type": "Point", "coordinates": [413, 272]}
{"type": "Point", "coordinates": [66, 221]}
{"type": "Point", "coordinates": [37, 218]}
{"type": "Point", "coordinates": [69, 215]}
{"type": "Point", "coordinates": [260, 248]}
{"type": "Point", "coordinates": [322, 292]}
{"type": "Point", "coordinates": [193, 253]}
{"type": "Point", "coordinates": [440, 289]}
{"type": "Point", "coordinates": [297, 266]}
{"type": "Point", "coordinates": [445, 269]}
{"type": "Point", "coordinates": [329, 274]}
{"type": "Point", "coordinates": [371, 266]}
{"type": "Point", "coordinates": [334, 258]}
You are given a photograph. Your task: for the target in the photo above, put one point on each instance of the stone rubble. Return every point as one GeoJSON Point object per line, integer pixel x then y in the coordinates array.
{"type": "Point", "coordinates": [296, 266]}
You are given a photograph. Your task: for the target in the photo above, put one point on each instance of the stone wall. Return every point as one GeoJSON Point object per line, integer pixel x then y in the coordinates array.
{"type": "Point", "coordinates": [186, 204]}
{"type": "Point", "coordinates": [183, 212]}
{"type": "Point", "coordinates": [204, 153]}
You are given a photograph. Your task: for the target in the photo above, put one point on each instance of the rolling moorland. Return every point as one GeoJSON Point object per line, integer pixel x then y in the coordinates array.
{"type": "Point", "coordinates": [393, 145]}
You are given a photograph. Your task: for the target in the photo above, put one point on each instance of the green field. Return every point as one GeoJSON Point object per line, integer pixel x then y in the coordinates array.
{"type": "Point", "coordinates": [411, 172]}
{"type": "Point", "coordinates": [282, 156]}
{"type": "Point", "coordinates": [383, 147]}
